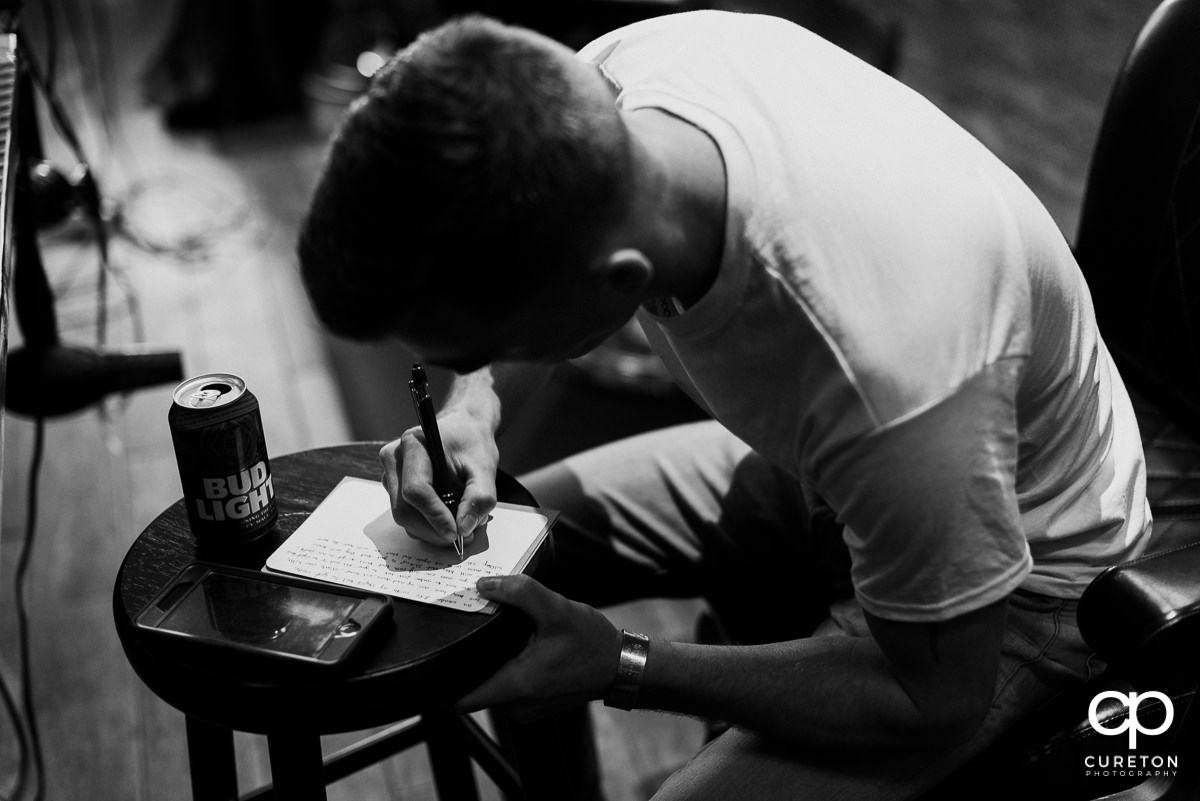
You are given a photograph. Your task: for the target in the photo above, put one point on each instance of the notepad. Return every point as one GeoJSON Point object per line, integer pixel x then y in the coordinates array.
{"type": "Point", "coordinates": [351, 539]}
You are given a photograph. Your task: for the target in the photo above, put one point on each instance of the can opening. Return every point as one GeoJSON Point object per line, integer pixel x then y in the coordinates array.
{"type": "Point", "coordinates": [209, 395]}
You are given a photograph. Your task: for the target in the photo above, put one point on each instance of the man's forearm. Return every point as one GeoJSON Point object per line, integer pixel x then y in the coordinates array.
{"type": "Point", "coordinates": [493, 393]}
{"type": "Point", "coordinates": [826, 692]}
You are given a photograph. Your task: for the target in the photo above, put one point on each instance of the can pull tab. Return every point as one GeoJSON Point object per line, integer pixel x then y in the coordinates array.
{"type": "Point", "coordinates": [208, 395]}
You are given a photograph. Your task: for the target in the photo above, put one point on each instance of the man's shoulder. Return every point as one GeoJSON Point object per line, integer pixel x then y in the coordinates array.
{"type": "Point", "coordinates": [688, 28]}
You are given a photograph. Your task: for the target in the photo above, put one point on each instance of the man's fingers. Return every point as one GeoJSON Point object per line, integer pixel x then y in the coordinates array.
{"type": "Point", "coordinates": [387, 456]}
{"type": "Point", "coordinates": [415, 503]}
{"type": "Point", "coordinates": [408, 478]}
{"type": "Point", "coordinates": [500, 686]}
{"type": "Point", "coordinates": [572, 654]}
{"type": "Point", "coordinates": [477, 502]}
{"type": "Point", "coordinates": [521, 591]}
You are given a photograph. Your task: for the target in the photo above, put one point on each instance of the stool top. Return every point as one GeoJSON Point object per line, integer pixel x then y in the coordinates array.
{"type": "Point", "coordinates": [432, 656]}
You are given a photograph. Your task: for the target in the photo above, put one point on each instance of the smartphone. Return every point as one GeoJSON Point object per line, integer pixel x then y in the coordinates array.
{"type": "Point", "coordinates": [228, 617]}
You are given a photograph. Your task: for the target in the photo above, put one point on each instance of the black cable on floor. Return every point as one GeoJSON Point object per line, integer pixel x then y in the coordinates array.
{"type": "Point", "coordinates": [14, 715]}
{"type": "Point", "coordinates": [30, 714]}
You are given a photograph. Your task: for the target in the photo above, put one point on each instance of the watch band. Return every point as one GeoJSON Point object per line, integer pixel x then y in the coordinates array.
{"type": "Point", "coordinates": [623, 693]}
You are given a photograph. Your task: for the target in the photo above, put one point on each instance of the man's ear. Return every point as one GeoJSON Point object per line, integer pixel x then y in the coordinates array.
{"type": "Point", "coordinates": [626, 272]}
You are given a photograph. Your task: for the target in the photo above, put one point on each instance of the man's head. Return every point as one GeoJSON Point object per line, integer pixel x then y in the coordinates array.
{"type": "Point", "coordinates": [478, 174]}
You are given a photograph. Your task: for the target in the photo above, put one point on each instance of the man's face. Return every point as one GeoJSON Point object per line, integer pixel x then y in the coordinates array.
{"type": "Point", "coordinates": [546, 325]}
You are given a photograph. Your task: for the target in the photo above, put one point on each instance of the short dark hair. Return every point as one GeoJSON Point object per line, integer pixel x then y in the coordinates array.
{"type": "Point", "coordinates": [471, 162]}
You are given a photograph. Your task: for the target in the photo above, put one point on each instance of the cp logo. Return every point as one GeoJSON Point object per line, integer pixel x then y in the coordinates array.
{"type": "Point", "coordinates": [1132, 701]}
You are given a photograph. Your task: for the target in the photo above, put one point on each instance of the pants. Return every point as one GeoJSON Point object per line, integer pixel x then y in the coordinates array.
{"type": "Point", "coordinates": [691, 511]}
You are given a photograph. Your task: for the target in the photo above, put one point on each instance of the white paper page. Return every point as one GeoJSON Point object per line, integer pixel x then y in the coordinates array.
{"type": "Point", "coordinates": [351, 539]}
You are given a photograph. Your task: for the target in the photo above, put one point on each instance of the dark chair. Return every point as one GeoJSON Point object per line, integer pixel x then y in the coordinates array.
{"type": "Point", "coordinates": [1139, 246]}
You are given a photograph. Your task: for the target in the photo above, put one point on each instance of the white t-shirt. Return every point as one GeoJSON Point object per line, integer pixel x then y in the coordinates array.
{"type": "Point", "coordinates": [896, 320]}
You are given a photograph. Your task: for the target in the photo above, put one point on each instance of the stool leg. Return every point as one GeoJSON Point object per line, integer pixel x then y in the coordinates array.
{"type": "Point", "coordinates": [296, 766]}
{"type": "Point", "coordinates": [453, 773]}
{"type": "Point", "coordinates": [211, 761]}
{"type": "Point", "coordinates": [555, 755]}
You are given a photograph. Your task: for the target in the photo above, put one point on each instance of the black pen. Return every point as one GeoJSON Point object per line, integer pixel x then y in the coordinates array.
{"type": "Point", "coordinates": [443, 482]}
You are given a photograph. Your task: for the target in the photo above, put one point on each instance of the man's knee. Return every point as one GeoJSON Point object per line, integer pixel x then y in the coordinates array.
{"type": "Point", "coordinates": [553, 486]}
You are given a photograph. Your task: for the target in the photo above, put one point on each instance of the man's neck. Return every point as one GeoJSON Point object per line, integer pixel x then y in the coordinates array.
{"type": "Point", "coordinates": [680, 203]}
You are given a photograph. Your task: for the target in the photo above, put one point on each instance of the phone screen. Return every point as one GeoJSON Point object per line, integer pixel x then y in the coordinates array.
{"type": "Point", "coordinates": [263, 614]}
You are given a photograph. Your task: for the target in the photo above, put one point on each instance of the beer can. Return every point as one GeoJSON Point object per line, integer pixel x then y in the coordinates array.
{"type": "Point", "coordinates": [222, 455]}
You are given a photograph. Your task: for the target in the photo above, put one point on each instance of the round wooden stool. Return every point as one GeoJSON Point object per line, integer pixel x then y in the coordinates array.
{"type": "Point", "coordinates": [430, 658]}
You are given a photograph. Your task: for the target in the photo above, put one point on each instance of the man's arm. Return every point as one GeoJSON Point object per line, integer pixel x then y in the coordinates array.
{"type": "Point", "coordinates": [477, 408]}
{"type": "Point", "coordinates": [494, 393]}
{"type": "Point", "coordinates": [910, 684]}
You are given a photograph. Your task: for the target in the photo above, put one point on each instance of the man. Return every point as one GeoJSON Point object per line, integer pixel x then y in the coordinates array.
{"type": "Point", "coordinates": [915, 421]}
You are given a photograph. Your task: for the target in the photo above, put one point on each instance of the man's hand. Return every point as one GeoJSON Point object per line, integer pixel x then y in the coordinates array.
{"type": "Point", "coordinates": [571, 657]}
{"type": "Point", "coordinates": [408, 476]}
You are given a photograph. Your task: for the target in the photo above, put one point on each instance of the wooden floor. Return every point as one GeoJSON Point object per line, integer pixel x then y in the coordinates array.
{"type": "Point", "coordinates": [210, 222]}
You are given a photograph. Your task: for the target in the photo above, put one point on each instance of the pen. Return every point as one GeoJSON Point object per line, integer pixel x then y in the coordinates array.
{"type": "Point", "coordinates": [443, 483]}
